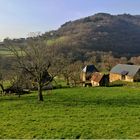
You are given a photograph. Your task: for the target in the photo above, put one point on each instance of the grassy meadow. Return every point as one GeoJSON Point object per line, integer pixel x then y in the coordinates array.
{"type": "Point", "coordinates": [112, 112]}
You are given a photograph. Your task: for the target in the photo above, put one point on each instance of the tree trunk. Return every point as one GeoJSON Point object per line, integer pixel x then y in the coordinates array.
{"type": "Point", "coordinates": [67, 79]}
{"type": "Point", "coordinates": [1, 85]}
{"type": "Point", "coordinates": [40, 96]}
{"type": "Point", "coordinates": [74, 83]}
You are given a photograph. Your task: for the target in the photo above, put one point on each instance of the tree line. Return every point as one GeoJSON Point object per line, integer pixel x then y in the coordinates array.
{"type": "Point", "coordinates": [36, 63]}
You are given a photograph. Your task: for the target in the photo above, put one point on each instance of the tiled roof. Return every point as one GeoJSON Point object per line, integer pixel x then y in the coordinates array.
{"type": "Point", "coordinates": [125, 69]}
{"type": "Point", "coordinates": [97, 77]}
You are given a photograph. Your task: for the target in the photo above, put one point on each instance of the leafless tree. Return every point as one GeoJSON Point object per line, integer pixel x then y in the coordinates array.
{"type": "Point", "coordinates": [34, 61]}
{"type": "Point", "coordinates": [1, 82]}
{"type": "Point", "coordinates": [1, 77]}
{"type": "Point", "coordinates": [74, 72]}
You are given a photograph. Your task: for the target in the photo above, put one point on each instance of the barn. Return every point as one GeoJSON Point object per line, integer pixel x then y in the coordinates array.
{"type": "Point", "coordinates": [124, 72]}
{"type": "Point", "coordinates": [99, 79]}
{"type": "Point", "coordinates": [86, 74]}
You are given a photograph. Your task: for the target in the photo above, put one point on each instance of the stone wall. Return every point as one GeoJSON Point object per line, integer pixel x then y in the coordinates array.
{"type": "Point", "coordinates": [114, 77]}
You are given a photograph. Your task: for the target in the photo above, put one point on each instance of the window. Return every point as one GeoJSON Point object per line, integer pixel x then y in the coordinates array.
{"type": "Point", "coordinates": [123, 77]}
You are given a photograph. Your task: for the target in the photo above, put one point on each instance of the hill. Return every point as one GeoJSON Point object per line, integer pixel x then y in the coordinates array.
{"type": "Point", "coordinates": [101, 32]}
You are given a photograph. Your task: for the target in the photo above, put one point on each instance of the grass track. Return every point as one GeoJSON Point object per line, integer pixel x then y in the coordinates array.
{"type": "Point", "coordinates": [73, 113]}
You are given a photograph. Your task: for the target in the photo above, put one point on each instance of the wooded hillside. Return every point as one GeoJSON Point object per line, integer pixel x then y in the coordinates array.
{"type": "Point", "coordinates": [101, 32]}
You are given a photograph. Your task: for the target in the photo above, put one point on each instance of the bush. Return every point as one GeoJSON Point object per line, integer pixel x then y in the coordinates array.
{"type": "Point", "coordinates": [117, 83]}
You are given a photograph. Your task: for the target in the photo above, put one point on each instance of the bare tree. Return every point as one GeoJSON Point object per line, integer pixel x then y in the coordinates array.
{"type": "Point", "coordinates": [34, 61]}
{"type": "Point", "coordinates": [74, 71]}
{"type": "Point", "coordinates": [1, 82]}
{"type": "Point", "coordinates": [1, 77]}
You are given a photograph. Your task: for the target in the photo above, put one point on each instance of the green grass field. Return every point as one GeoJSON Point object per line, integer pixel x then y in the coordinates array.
{"type": "Point", "coordinates": [112, 112]}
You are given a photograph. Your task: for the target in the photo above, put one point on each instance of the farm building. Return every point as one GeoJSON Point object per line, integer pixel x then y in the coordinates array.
{"type": "Point", "coordinates": [124, 72]}
{"type": "Point", "coordinates": [99, 79]}
{"type": "Point", "coordinates": [86, 74]}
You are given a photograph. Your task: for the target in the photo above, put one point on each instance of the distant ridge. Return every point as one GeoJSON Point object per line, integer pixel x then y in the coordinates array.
{"type": "Point", "coordinates": [119, 34]}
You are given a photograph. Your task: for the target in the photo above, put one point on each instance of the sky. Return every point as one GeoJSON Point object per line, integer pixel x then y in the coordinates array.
{"type": "Point", "coordinates": [18, 18]}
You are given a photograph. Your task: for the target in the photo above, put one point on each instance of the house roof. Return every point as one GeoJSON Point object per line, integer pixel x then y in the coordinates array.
{"type": "Point", "coordinates": [97, 77]}
{"type": "Point", "coordinates": [90, 69]}
{"type": "Point", "coordinates": [125, 69]}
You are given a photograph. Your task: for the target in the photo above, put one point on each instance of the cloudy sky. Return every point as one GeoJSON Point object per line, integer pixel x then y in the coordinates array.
{"type": "Point", "coordinates": [20, 17]}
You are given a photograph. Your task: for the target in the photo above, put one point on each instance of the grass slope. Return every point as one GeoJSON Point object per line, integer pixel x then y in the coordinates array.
{"type": "Point", "coordinates": [73, 113]}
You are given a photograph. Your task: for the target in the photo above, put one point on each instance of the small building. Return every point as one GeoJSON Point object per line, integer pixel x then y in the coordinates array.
{"type": "Point", "coordinates": [86, 74]}
{"type": "Point", "coordinates": [124, 72]}
{"type": "Point", "coordinates": [99, 79]}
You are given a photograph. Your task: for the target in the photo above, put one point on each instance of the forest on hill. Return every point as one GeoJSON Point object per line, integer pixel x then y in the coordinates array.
{"type": "Point", "coordinates": [102, 32]}
{"type": "Point", "coordinates": [118, 34]}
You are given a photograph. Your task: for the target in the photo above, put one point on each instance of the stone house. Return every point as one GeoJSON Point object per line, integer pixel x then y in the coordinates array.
{"type": "Point", "coordinates": [125, 72]}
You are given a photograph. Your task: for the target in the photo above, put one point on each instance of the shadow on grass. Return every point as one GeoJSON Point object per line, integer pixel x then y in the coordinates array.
{"type": "Point", "coordinates": [100, 102]}
{"type": "Point", "coordinates": [17, 98]}
{"type": "Point", "coordinates": [72, 101]}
